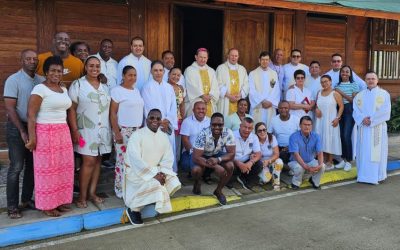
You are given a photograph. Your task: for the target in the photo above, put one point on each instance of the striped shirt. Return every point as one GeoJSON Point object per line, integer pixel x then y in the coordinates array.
{"type": "Point", "coordinates": [348, 88]}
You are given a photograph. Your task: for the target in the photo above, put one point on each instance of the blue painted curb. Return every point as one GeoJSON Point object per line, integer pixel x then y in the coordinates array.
{"type": "Point", "coordinates": [74, 224]}
{"type": "Point", "coordinates": [40, 230]}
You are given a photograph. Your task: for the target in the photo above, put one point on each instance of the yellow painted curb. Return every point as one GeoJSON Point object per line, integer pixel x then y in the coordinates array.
{"type": "Point", "coordinates": [334, 176]}
{"type": "Point", "coordinates": [194, 202]}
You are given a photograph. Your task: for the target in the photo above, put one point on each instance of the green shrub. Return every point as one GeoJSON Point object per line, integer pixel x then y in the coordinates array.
{"type": "Point", "coordinates": [394, 122]}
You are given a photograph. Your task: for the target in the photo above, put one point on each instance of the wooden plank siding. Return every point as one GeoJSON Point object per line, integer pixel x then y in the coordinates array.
{"type": "Point", "coordinates": [18, 31]}
{"type": "Point", "coordinates": [283, 35]}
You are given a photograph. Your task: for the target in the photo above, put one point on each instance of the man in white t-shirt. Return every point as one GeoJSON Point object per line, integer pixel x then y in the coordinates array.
{"type": "Point", "coordinates": [283, 126]}
{"type": "Point", "coordinates": [190, 129]}
{"type": "Point", "coordinates": [248, 154]}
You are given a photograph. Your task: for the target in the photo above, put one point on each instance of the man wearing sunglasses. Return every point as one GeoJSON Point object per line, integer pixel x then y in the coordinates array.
{"type": "Point", "coordinates": [336, 63]}
{"type": "Point", "coordinates": [208, 155]}
{"type": "Point", "coordinates": [290, 68]}
{"type": "Point", "coordinates": [149, 177]}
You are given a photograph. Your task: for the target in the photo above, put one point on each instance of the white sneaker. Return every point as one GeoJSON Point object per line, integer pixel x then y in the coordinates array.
{"type": "Point", "coordinates": [340, 164]}
{"type": "Point", "coordinates": [347, 166]}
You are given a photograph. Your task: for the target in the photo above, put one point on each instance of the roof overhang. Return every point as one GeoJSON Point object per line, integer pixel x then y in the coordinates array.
{"type": "Point", "coordinates": [364, 8]}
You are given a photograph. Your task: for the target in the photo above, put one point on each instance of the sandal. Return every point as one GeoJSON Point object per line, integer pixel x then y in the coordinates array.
{"type": "Point", "coordinates": [81, 204]}
{"type": "Point", "coordinates": [64, 208]}
{"type": "Point", "coordinates": [96, 200]}
{"type": "Point", "coordinates": [14, 213]}
{"type": "Point", "coordinates": [52, 213]}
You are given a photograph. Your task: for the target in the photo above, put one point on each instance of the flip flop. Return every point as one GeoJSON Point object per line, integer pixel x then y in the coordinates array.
{"type": "Point", "coordinates": [81, 204]}
{"type": "Point", "coordinates": [64, 208]}
{"type": "Point", "coordinates": [52, 213]}
{"type": "Point", "coordinates": [96, 200]}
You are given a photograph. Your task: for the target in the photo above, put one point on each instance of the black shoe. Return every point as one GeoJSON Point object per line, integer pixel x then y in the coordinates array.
{"type": "Point", "coordinates": [134, 217]}
{"type": "Point", "coordinates": [313, 184]}
{"type": "Point", "coordinates": [294, 187]}
{"type": "Point", "coordinates": [229, 184]}
{"type": "Point", "coordinates": [196, 189]}
{"type": "Point", "coordinates": [108, 164]}
{"type": "Point", "coordinates": [221, 198]}
{"type": "Point", "coordinates": [243, 182]}
{"type": "Point", "coordinates": [27, 205]}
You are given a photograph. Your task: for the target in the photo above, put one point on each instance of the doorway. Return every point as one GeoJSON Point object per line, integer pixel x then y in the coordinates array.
{"type": "Point", "coordinates": [198, 28]}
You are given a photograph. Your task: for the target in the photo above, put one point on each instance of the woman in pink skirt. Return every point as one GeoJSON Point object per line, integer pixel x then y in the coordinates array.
{"type": "Point", "coordinates": [50, 140]}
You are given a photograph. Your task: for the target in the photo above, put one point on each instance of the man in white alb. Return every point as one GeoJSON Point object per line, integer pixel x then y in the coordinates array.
{"type": "Point", "coordinates": [137, 60]}
{"type": "Point", "coordinates": [371, 110]}
{"type": "Point", "coordinates": [264, 91]}
{"type": "Point", "coordinates": [149, 177]}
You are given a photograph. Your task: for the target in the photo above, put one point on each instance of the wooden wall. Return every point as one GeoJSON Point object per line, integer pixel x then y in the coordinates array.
{"type": "Point", "coordinates": [17, 32]}
{"type": "Point", "coordinates": [32, 24]}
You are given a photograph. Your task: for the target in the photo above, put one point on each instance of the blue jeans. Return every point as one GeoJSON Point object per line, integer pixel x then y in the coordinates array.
{"type": "Point", "coordinates": [19, 157]}
{"type": "Point", "coordinates": [186, 163]}
{"type": "Point", "coordinates": [346, 128]}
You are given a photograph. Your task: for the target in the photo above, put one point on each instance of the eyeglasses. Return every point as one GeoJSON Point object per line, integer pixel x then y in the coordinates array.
{"type": "Point", "coordinates": [300, 77]}
{"type": "Point", "coordinates": [60, 40]}
{"type": "Point", "coordinates": [336, 61]}
{"type": "Point", "coordinates": [152, 118]}
{"type": "Point", "coordinates": [296, 56]}
{"type": "Point", "coordinates": [262, 130]}
{"type": "Point", "coordinates": [217, 125]}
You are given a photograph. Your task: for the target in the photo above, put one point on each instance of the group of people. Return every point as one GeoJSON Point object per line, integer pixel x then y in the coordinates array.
{"type": "Point", "coordinates": [244, 127]}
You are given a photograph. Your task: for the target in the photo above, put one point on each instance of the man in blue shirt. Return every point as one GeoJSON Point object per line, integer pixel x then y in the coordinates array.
{"type": "Point", "coordinates": [304, 145]}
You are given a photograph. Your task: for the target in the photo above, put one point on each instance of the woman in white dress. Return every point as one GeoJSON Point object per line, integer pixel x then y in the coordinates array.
{"type": "Point", "coordinates": [327, 120]}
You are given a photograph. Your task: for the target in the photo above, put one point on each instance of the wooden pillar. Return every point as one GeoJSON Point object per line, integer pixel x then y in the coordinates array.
{"type": "Point", "coordinates": [46, 24]}
{"type": "Point", "coordinates": [300, 31]}
{"type": "Point", "coordinates": [350, 40]}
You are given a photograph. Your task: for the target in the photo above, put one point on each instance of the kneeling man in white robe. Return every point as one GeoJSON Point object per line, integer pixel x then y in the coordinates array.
{"type": "Point", "coordinates": [371, 110]}
{"type": "Point", "coordinates": [149, 177]}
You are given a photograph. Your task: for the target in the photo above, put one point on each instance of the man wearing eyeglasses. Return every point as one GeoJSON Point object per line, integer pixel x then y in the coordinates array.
{"type": "Point", "coordinates": [209, 156]}
{"type": "Point", "coordinates": [73, 67]}
{"type": "Point", "coordinates": [149, 177]}
{"type": "Point", "coordinates": [336, 63]}
{"type": "Point", "coordinates": [290, 68]}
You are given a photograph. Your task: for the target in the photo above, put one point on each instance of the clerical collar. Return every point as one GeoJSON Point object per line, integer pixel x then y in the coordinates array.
{"type": "Point", "coordinates": [232, 66]}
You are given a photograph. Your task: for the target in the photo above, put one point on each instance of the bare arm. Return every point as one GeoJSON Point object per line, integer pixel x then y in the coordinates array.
{"type": "Point", "coordinates": [297, 106]}
{"type": "Point", "coordinates": [11, 104]}
{"type": "Point", "coordinates": [73, 123]}
{"type": "Point", "coordinates": [114, 122]}
{"type": "Point", "coordinates": [348, 98]}
{"type": "Point", "coordinates": [33, 108]}
{"type": "Point", "coordinates": [198, 158]}
{"type": "Point", "coordinates": [186, 142]}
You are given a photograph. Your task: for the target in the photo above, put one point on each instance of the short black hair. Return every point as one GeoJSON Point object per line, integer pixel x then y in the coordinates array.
{"type": "Point", "coordinates": [173, 69]}
{"type": "Point", "coordinates": [73, 47]}
{"type": "Point", "coordinates": [154, 110]}
{"type": "Point", "coordinates": [299, 72]}
{"type": "Point", "coordinates": [217, 115]}
{"type": "Point", "coordinates": [295, 50]}
{"type": "Point", "coordinates": [312, 62]}
{"type": "Point", "coordinates": [52, 60]}
{"type": "Point", "coordinates": [106, 40]}
{"type": "Point", "coordinates": [264, 53]}
{"type": "Point", "coordinates": [307, 118]}
{"type": "Point", "coordinates": [337, 54]}
{"type": "Point", "coordinates": [283, 101]}
{"type": "Point", "coordinates": [167, 52]}
{"type": "Point", "coordinates": [327, 76]}
{"type": "Point", "coordinates": [127, 68]}
{"type": "Point", "coordinates": [248, 120]}
{"type": "Point", "coordinates": [156, 62]}
{"type": "Point", "coordinates": [137, 38]}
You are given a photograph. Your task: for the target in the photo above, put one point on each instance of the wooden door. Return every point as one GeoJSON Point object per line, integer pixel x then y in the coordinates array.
{"type": "Point", "coordinates": [177, 35]}
{"type": "Point", "coordinates": [249, 32]}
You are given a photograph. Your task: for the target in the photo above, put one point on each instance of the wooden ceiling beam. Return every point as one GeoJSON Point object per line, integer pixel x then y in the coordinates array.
{"type": "Point", "coordinates": [332, 9]}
